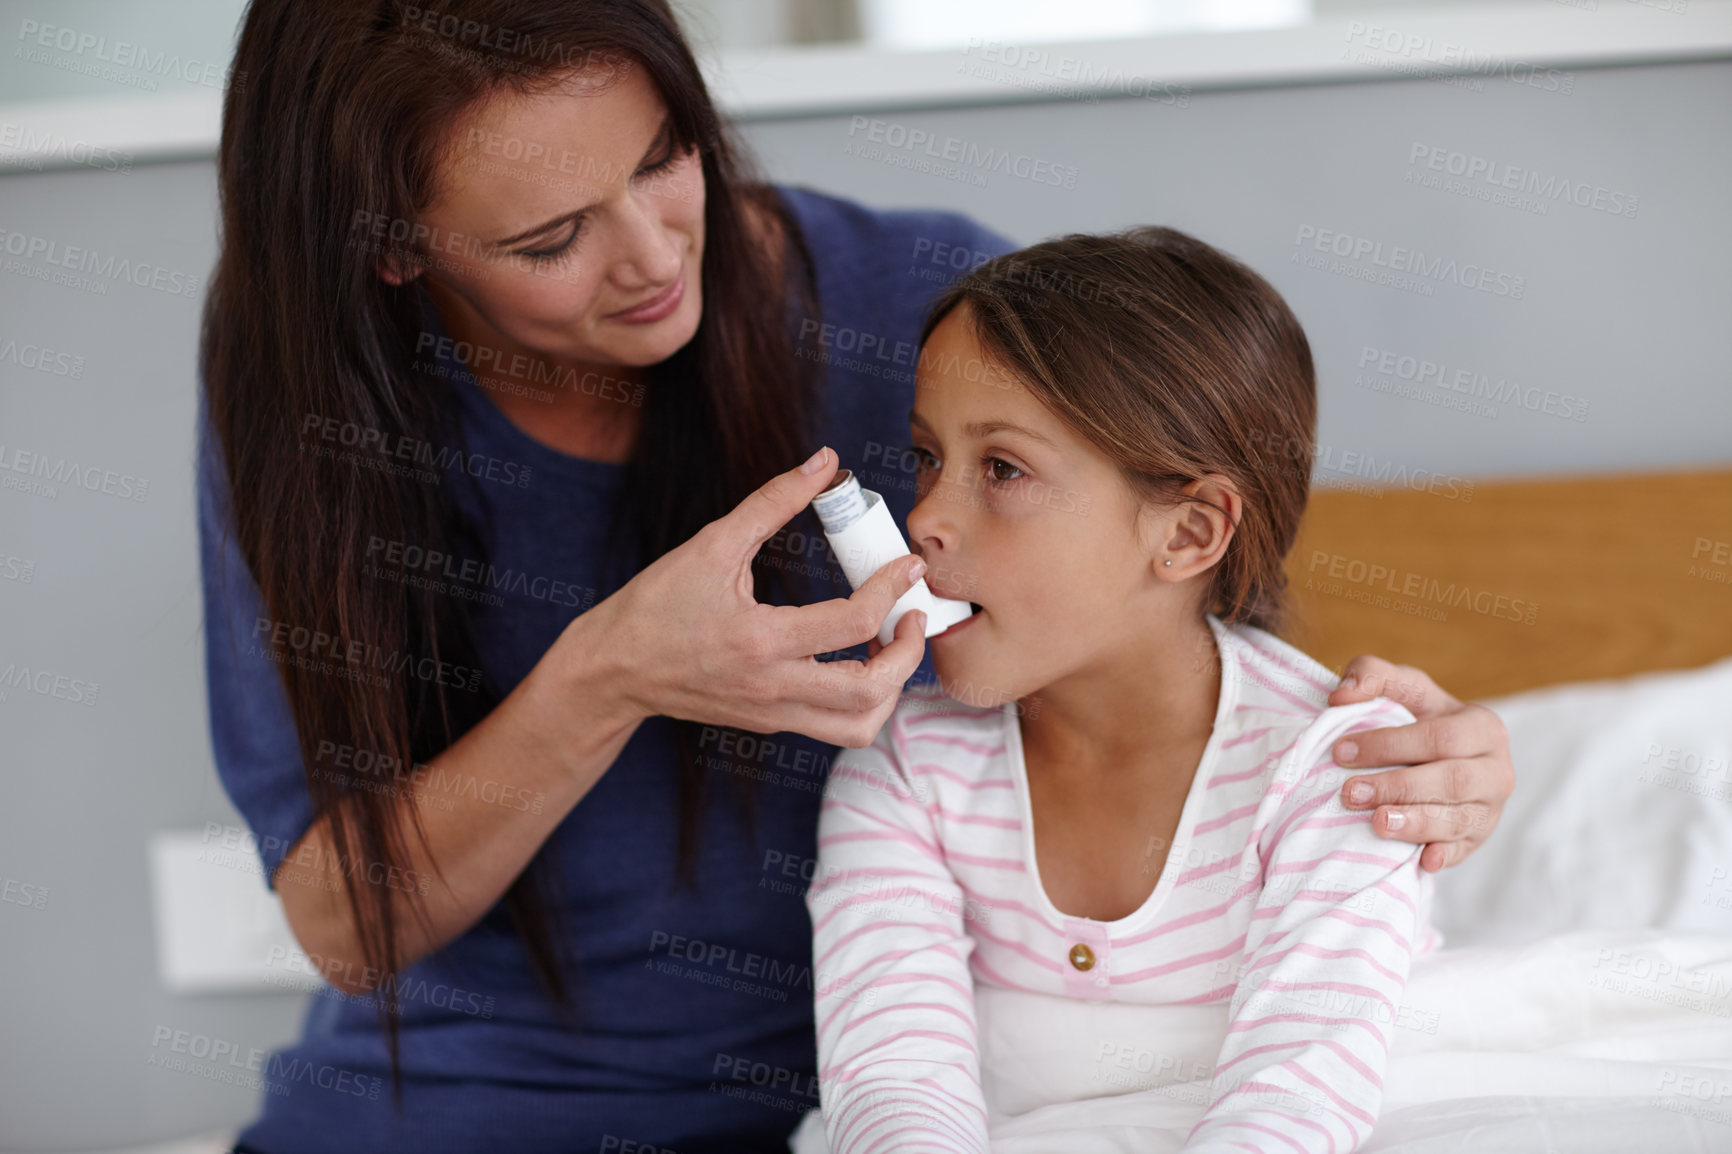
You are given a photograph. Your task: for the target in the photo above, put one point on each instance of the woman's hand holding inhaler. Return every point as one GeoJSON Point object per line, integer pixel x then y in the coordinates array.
{"type": "Point", "coordinates": [689, 640]}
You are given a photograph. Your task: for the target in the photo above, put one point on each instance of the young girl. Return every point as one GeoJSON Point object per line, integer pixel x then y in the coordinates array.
{"type": "Point", "coordinates": [1129, 794]}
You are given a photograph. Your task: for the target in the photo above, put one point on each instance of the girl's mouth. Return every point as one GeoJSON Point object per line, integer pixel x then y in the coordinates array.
{"type": "Point", "coordinates": [960, 625]}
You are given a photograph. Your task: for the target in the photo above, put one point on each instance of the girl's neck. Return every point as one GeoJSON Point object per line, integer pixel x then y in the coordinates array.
{"type": "Point", "coordinates": [1159, 693]}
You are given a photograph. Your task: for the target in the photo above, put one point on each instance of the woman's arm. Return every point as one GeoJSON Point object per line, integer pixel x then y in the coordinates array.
{"type": "Point", "coordinates": [682, 639]}
{"type": "Point", "coordinates": [1454, 772]}
{"type": "Point", "coordinates": [550, 740]}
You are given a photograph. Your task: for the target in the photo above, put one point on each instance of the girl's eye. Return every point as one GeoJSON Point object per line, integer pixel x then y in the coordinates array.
{"type": "Point", "coordinates": [922, 459]}
{"type": "Point", "coordinates": [993, 464]}
{"type": "Point", "coordinates": [556, 250]}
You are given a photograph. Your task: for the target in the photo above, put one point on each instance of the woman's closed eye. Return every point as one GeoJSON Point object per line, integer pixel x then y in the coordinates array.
{"type": "Point", "coordinates": [554, 251]}
{"type": "Point", "coordinates": [574, 227]}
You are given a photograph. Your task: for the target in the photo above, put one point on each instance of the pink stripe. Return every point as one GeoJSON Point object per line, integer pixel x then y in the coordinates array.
{"type": "Point", "coordinates": [1285, 1117]}
{"type": "Point", "coordinates": [861, 931]}
{"type": "Point", "coordinates": [1317, 951]}
{"type": "Point", "coordinates": [879, 820]}
{"type": "Point", "coordinates": [1361, 818]}
{"type": "Point", "coordinates": [1181, 964]}
{"type": "Point", "coordinates": [867, 1102]}
{"type": "Point", "coordinates": [1309, 677]}
{"type": "Point", "coordinates": [1226, 819]}
{"type": "Point", "coordinates": [1308, 1019]}
{"type": "Point", "coordinates": [1248, 735]}
{"type": "Point", "coordinates": [968, 714]}
{"type": "Point", "coordinates": [965, 782]}
{"type": "Point", "coordinates": [1309, 715]}
{"type": "Point", "coordinates": [1191, 919]}
{"type": "Point", "coordinates": [1198, 873]}
{"type": "Point", "coordinates": [849, 1072]}
{"type": "Point", "coordinates": [933, 1082]}
{"type": "Point", "coordinates": [983, 969]}
{"type": "Point", "coordinates": [1397, 894]}
{"type": "Point", "coordinates": [1256, 771]}
{"type": "Point", "coordinates": [958, 742]}
{"type": "Point", "coordinates": [1292, 1065]}
{"type": "Point", "coordinates": [1221, 994]}
{"type": "Point", "coordinates": [1014, 864]}
{"type": "Point", "coordinates": [1009, 823]}
{"type": "Point", "coordinates": [1354, 919]}
{"type": "Point", "coordinates": [1300, 1073]}
{"type": "Point", "coordinates": [889, 896]}
{"type": "Point", "coordinates": [1011, 905]}
{"type": "Point", "coordinates": [1225, 1122]}
{"type": "Point", "coordinates": [1040, 960]}
{"type": "Point", "coordinates": [901, 1007]}
{"type": "Point", "coordinates": [862, 1115]}
{"type": "Point", "coordinates": [825, 1017]}
{"type": "Point", "coordinates": [1339, 987]}
{"type": "Point", "coordinates": [1391, 864]}
{"type": "Point", "coordinates": [896, 955]}
{"type": "Point", "coordinates": [828, 881]}
{"type": "Point", "coordinates": [1281, 830]}
{"type": "Point", "coordinates": [834, 839]}
{"type": "Point", "coordinates": [1252, 675]}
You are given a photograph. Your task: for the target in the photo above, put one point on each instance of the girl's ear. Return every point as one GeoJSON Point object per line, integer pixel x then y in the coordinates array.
{"type": "Point", "coordinates": [1200, 527]}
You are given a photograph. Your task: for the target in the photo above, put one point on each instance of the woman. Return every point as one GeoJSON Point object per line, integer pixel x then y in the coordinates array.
{"type": "Point", "coordinates": [520, 483]}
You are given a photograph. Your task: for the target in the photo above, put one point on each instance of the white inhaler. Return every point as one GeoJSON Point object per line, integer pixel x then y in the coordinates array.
{"type": "Point", "coordinates": [865, 538]}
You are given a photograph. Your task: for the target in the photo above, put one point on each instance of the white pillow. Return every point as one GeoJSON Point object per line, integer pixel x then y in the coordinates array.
{"type": "Point", "coordinates": [1621, 818]}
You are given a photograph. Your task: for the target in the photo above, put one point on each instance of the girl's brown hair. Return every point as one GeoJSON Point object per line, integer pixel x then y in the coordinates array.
{"type": "Point", "coordinates": [1174, 360]}
{"type": "Point", "coordinates": [341, 113]}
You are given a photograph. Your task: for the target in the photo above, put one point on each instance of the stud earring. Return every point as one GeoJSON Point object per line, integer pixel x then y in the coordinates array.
{"type": "Point", "coordinates": [1168, 561]}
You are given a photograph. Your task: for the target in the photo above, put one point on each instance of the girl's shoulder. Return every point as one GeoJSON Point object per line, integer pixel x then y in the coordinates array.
{"type": "Point", "coordinates": [1282, 694]}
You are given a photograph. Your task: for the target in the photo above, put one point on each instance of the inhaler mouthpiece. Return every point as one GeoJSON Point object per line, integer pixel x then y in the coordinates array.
{"type": "Point", "coordinates": [865, 538]}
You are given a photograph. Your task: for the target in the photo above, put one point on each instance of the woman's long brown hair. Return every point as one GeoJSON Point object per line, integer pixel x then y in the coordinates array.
{"type": "Point", "coordinates": [340, 112]}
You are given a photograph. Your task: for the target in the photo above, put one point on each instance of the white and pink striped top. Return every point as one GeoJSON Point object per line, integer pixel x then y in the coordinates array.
{"type": "Point", "coordinates": [1275, 902]}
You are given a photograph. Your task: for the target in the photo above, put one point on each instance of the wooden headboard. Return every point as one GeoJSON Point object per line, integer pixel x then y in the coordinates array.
{"type": "Point", "coordinates": [1519, 584]}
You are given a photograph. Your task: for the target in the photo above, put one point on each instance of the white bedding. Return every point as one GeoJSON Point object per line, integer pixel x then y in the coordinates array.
{"type": "Point", "coordinates": [1556, 1045]}
{"type": "Point", "coordinates": [1583, 1000]}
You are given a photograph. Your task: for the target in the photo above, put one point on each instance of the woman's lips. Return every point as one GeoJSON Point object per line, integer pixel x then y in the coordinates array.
{"type": "Point", "coordinates": [657, 306]}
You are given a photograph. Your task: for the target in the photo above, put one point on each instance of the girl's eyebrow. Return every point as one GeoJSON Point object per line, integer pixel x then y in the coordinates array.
{"type": "Point", "coordinates": [526, 234]}
{"type": "Point", "coordinates": [979, 429]}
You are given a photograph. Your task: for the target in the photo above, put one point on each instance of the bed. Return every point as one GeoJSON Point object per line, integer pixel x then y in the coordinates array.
{"type": "Point", "coordinates": [1614, 858]}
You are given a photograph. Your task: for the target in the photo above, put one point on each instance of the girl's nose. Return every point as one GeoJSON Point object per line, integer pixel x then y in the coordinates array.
{"type": "Point", "coordinates": [930, 530]}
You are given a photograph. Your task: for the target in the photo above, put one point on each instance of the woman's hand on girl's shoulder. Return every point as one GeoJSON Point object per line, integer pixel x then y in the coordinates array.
{"type": "Point", "coordinates": [687, 639]}
{"type": "Point", "coordinates": [1458, 773]}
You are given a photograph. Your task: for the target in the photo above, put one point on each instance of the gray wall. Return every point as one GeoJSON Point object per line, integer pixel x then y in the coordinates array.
{"type": "Point", "coordinates": [1626, 313]}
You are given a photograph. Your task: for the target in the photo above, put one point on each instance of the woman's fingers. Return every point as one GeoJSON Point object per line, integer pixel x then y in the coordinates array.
{"type": "Point", "coordinates": [1407, 807]}
{"type": "Point", "coordinates": [1366, 677]}
{"type": "Point", "coordinates": [1471, 731]}
{"type": "Point", "coordinates": [773, 504]}
{"type": "Point", "coordinates": [843, 622]}
{"type": "Point", "coordinates": [872, 685]}
{"type": "Point", "coordinates": [1451, 791]}
{"type": "Point", "coordinates": [702, 648]}
{"type": "Point", "coordinates": [1449, 832]}
{"type": "Point", "coordinates": [844, 702]}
